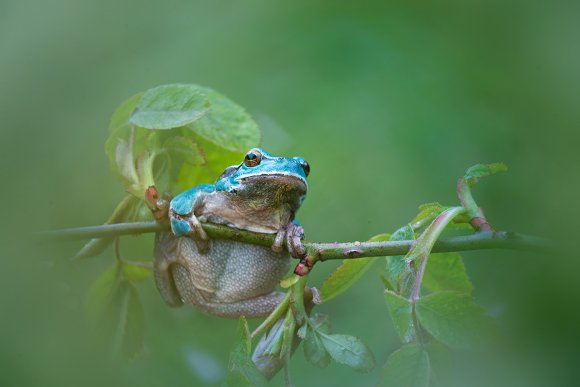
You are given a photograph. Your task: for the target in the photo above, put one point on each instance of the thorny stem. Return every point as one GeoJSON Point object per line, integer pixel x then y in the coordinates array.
{"type": "Point", "coordinates": [324, 251]}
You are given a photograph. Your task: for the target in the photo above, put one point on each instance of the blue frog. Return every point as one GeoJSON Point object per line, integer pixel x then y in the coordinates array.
{"type": "Point", "coordinates": [229, 278]}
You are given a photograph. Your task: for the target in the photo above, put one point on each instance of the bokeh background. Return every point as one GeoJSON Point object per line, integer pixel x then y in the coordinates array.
{"type": "Point", "coordinates": [389, 102]}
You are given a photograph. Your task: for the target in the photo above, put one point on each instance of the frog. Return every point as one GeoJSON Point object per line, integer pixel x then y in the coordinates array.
{"type": "Point", "coordinates": [229, 278]}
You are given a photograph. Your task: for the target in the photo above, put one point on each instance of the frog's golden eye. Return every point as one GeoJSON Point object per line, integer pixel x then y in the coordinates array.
{"type": "Point", "coordinates": [252, 158]}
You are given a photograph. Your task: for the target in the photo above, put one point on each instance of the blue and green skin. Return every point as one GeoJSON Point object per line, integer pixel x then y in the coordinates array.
{"type": "Point", "coordinates": [228, 278]}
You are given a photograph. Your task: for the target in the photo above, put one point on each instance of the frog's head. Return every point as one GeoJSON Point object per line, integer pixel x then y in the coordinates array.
{"type": "Point", "coordinates": [263, 176]}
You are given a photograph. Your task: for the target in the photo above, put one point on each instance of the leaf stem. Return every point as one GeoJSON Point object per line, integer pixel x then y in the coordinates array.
{"type": "Point", "coordinates": [425, 243]}
{"type": "Point", "coordinates": [274, 316]}
{"type": "Point", "coordinates": [118, 250]}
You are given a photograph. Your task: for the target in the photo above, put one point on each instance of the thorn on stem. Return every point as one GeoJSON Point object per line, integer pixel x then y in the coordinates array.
{"type": "Point", "coordinates": [304, 266]}
{"type": "Point", "coordinates": [353, 253]}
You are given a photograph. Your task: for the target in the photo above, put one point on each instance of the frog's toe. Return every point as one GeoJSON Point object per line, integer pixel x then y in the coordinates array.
{"type": "Point", "coordinates": [294, 237]}
{"type": "Point", "coordinates": [278, 244]}
{"type": "Point", "coordinates": [190, 226]}
{"type": "Point", "coordinates": [180, 226]}
{"type": "Point", "coordinates": [203, 245]}
{"type": "Point", "coordinates": [292, 234]}
{"type": "Point", "coordinates": [199, 235]}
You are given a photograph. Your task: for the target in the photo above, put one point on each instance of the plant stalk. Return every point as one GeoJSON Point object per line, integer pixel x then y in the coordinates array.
{"type": "Point", "coordinates": [482, 240]}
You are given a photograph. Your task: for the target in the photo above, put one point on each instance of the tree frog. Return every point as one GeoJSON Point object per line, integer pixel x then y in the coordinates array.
{"type": "Point", "coordinates": [229, 278]}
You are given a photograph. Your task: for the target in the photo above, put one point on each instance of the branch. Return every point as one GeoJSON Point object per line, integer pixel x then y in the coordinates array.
{"type": "Point", "coordinates": [482, 240]}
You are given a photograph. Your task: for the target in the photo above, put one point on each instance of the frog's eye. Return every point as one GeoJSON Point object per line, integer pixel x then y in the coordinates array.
{"type": "Point", "coordinates": [305, 166]}
{"type": "Point", "coordinates": [252, 158]}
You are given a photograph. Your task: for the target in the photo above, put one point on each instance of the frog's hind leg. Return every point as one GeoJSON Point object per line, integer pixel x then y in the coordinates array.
{"type": "Point", "coordinates": [165, 256]}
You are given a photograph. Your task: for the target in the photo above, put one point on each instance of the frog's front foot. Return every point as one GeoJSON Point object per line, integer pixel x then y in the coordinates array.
{"type": "Point", "coordinates": [189, 225]}
{"type": "Point", "coordinates": [292, 234]}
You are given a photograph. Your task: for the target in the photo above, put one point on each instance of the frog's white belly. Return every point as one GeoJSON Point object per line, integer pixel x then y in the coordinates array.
{"type": "Point", "coordinates": [233, 279]}
{"type": "Point", "coordinates": [232, 271]}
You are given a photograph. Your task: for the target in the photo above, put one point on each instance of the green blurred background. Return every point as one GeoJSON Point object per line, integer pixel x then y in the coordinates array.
{"type": "Point", "coordinates": [388, 101]}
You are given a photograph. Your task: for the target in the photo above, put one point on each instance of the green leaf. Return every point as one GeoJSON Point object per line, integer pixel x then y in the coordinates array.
{"type": "Point", "coordinates": [134, 273]}
{"type": "Point", "coordinates": [422, 247]}
{"type": "Point", "coordinates": [185, 149]}
{"type": "Point", "coordinates": [119, 136]}
{"type": "Point", "coordinates": [216, 158]}
{"type": "Point", "coordinates": [244, 347]}
{"type": "Point", "coordinates": [348, 350]}
{"type": "Point", "coordinates": [396, 265]}
{"type": "Point", "coordinates": [242, 371]}
{"type": "Point", "coordinates": [320, 322]}
{"type": "Point", "coordinates": [93, 248]}
{"type": "Point", "coordinates": [446, 271]}
{"type": "Point", "coordinates": [246, 374]}
{"type": "Point", "coordinates": [131, 152]}
{"type": "Point", "coordinates": [120, 117]}
{"type": "Point", "coordinates": [428, 238]}
{"type": "Point", "coordinates": [386, 283]}
{"type": "Point", "coordinates": [441, 361]}
{"type": "Point", "coordinates": [267, 354]}
{"type": "Point", "coordinates": [478, 171]}
{"type": "Point", "coordinates": [400, 310]}
{"type": "Point", "coordinates": [314, 350]}
{"type": "Point", "coordinates": [348, 273]}
{"type": "Point", "coordinates": [226, 124]}
{"type": "Point", "coordinates": [288, 330]}
{"type": "Point", "coordinates": [170, 106]}
{"type": "Point", "coordinates": [384, 237]}
{"type": "Point", "coordinates": [101, 295]}
{"type": "Point", "coordinates": [271, 342]}
{"type": "Point", "coordinates": [115, 313]}
{"type": "Point", "coordinates": [132, 323]}
{"type": "Point", "coordinates": [181, 147]}
{"type": "Point", "coordinates": [452, 318]}
{"type": "Point", "coordinates": [428, 212]}
{"type": "Point", "coordinates": [408, 366]}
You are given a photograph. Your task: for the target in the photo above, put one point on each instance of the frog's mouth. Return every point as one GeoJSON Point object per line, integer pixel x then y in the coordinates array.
{"type": "Point", "coordinates": [281, 180]}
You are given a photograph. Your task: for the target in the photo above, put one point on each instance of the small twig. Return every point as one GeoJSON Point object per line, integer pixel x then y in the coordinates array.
{"type": "Point", "coordinates": [476, 217]}
{"type": "Point", "coordinates": [103, 231]}
{"type": "Point", "coordinates": [324, 251]}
